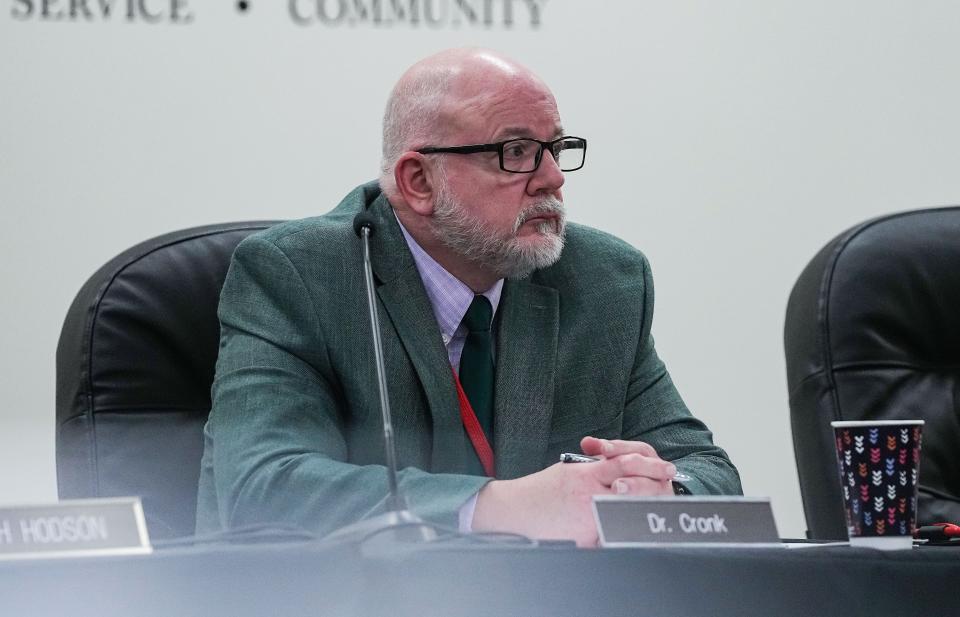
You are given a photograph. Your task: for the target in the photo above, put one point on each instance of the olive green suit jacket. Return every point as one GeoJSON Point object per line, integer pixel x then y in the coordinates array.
{"type": "Point", "coordinates": [294, 435]}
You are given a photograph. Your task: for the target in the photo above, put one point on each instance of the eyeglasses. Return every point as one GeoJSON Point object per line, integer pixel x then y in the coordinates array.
{"type": "Point", "coordinates": [522, 156]}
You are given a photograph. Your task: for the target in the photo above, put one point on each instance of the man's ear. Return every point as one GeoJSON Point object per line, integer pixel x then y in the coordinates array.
{"type": "Point", "coordinates": [415, 182]}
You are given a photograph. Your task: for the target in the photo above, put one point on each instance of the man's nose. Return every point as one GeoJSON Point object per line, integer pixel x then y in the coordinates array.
{"type": "Point", "coordinates": [547, 178]}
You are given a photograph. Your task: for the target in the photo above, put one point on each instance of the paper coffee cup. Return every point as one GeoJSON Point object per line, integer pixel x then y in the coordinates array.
{"type": "Point", "coordinates": [879, 464]}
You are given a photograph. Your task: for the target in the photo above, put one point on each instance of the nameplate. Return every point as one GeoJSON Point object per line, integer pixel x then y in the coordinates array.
{"type": "Point", "coordinates": [113, 526]}
{"type": "Point", "coordinates": [703, 521]}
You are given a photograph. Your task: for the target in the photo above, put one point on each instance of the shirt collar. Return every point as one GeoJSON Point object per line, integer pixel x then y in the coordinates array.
{"type": "Point", "coordinates": [449, 296]}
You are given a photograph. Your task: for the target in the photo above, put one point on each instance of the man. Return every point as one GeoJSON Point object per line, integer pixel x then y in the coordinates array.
{"type": "Point", "coordinates": [547, 326]}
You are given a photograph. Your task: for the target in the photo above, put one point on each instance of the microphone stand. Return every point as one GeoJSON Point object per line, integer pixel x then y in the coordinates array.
{"type": "Point", "coordinates": [407, 526]}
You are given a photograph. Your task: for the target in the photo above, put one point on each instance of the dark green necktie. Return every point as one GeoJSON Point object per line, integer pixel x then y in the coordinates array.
{"type": "Point", "coordinates": [476, 362]}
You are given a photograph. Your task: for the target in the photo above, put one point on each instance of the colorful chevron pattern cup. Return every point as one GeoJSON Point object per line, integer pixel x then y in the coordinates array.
{"type": "Point", "coordinates": [879, 464]}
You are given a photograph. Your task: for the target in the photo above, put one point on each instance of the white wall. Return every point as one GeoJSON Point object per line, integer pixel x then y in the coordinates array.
{"type": "Point", "coordinates": [728, 139]}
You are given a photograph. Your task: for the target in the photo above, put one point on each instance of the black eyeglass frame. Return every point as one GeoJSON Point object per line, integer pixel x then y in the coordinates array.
{"type": "Point", "coordinates": [498, 148]}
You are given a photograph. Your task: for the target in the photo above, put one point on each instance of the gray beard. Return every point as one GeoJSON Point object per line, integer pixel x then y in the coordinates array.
{"type": "Point", "coordinates": [502, 253]}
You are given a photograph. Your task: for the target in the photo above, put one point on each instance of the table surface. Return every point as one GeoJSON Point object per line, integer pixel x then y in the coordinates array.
{"type": "Point", "coordinates": [455, 579]}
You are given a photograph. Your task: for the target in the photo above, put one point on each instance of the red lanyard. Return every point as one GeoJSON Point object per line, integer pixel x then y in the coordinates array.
{"type": "Point", "coordinates": [477, 437]}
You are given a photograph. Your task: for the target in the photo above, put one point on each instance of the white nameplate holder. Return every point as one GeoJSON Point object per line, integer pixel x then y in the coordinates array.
{"type": "Point", "coordinates": [627, 521]}
{"type": "Point", "coordinates": [75, 528]}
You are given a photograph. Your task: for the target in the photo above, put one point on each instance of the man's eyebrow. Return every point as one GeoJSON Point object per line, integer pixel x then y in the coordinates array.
{"type": "Point", "coordinates": [520, 132]}
{"type": "Point", "coordinates": [513, 132]}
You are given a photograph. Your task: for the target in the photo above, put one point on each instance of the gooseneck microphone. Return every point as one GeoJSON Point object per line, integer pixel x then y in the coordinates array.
{"type": "Point", "coordinates": [364, 227]}
{"type": "Point", "coordinates": [398, 514]}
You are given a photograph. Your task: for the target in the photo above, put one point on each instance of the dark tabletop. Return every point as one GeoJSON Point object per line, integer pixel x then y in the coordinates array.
{"type": "Point", "coordinates": [458, 579]}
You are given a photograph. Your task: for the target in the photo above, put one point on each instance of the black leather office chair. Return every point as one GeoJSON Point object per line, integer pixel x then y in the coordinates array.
{"type": "Point", "coordinates": [134, 366]}
{"type": "Point", "coordinates": [873, 332]}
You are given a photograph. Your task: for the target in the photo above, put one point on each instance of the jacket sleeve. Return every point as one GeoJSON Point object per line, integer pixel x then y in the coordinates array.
{"type": "Point", "coordinates": [655, 413]}
{"type": "Point", "coordinates": [275, 450]}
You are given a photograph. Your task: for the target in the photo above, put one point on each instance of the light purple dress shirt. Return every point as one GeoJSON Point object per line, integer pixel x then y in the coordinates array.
{"type": "Point", "coordinates": [450, 298]}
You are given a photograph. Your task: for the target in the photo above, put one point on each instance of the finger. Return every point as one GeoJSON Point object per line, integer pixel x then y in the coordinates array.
{"type": "Point", "coordinates": [615, 447]}
{"type": "Point", "coordinates": [618, 447]}
{"type": "Point", "coordinates": [641, 486]}
{"type": "Point", "coordinates": [645, 466]}
{"type": "Point", "coordinates": [602, 473]}
{"type": "Point", "coordinates": [592, 446]}
{"type": "Point", "coordinates": [605, 471]}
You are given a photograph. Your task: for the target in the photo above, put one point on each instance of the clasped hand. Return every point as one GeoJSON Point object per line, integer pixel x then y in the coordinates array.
{"type": "Point", "coordinates": [556, 503]}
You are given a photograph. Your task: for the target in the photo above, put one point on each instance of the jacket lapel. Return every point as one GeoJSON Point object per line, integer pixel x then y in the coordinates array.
{"type": "Point", "coordinates": [403, 296]}
{"type": "Point", "coordinates": [526, 343]}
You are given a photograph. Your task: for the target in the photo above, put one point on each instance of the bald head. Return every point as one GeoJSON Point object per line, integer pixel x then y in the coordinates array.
{"type": "Point", "coordinates": [433, 97]}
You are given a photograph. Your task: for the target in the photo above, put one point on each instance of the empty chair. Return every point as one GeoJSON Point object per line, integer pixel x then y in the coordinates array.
{"type": "Point", "coordinates": [872, 333]}
{"type": "Point", "coordinates": [135, 362]}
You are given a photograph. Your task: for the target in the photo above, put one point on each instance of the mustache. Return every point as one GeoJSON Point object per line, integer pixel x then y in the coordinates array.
{"type": "Point", "coordinates": [550, 206]}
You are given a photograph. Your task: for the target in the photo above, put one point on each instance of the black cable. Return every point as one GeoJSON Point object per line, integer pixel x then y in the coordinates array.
{"type": "Point", "coordinates": [260, 532]}
{"type": "Point", "coordinates": [281, 532]}
{"type": "Point", "coordinates": [448, 534]}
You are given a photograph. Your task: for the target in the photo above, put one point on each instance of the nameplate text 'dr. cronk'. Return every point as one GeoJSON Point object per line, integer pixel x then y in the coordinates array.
{"type": "Point", "coordinates": [690, 520]}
